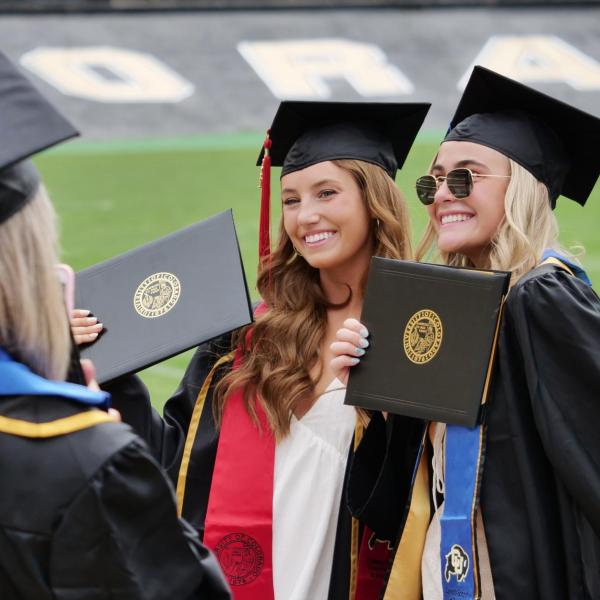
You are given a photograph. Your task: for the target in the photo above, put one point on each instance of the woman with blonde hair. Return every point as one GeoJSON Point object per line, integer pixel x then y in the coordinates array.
{"type": "Point", "coordinates": [85, 511]}
{"type": "Point", "coordinates": [259, 439]}
{"type": "Point", "coordinates": [528, 507]}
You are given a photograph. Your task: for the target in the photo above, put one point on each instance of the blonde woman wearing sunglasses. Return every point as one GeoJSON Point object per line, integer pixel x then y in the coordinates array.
{"type": "Point", "coordinates": [489, 195]}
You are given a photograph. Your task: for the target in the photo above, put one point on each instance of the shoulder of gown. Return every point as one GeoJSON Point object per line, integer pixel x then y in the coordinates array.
{"type": "Point", "coordinates": [125, 520]}
{"type": "Point", "coordinates": [554, 319]}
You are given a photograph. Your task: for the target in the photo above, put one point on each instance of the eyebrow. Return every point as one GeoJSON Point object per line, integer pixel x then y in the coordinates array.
{"type": "Point", "coordinates": [317, 184]}
{"type": "Point", "coordinates": [463, 163]}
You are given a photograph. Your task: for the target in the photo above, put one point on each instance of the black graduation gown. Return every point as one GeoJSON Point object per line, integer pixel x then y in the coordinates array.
{"type": "Point", "coordinates": [540, 492]}
{"type": "Point", "coordinates": [166, 437]}
{"type": "Point", "coordinates": [89, 515]}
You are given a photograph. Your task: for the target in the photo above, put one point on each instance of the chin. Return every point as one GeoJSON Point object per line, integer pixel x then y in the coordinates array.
{"type": "Point", "coordinates": [450, 246]}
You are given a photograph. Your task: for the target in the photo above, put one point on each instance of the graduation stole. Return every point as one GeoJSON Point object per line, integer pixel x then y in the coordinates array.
{"type": "Point", "coordinates": [239, 517]}
{"type": "Point", "coordinates": [458, 549]}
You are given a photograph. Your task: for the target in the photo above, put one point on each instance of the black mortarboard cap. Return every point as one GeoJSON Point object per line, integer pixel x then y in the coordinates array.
{"type": "Point", "coordinates": [307, 133]}
{"type": "Point", "coordinates": [28, 124]}
{"type": "Point", "coordinates": [551, 139]}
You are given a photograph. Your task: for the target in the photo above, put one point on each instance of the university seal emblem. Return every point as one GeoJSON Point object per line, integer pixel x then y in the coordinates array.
{"type": "Point", "coordinates": [423, 336]}
{"type": "Point", "coordinates": [156, 295]}
{"type": "Point", "coordinates": [241, 558]}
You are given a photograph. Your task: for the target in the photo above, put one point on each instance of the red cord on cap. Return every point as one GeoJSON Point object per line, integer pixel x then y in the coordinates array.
{"type": "Point", "coordinates": [264, 238]}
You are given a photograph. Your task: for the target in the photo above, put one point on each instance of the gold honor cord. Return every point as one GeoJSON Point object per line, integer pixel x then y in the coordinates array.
{"type": "Point", "coordinates": [193, 430]}
{"type": "Point", "coordinates": [404, 582]}
{"type": "Point", "coordinates": [354, 541]}
{"type": "Point", "coordinates": [55, 428]}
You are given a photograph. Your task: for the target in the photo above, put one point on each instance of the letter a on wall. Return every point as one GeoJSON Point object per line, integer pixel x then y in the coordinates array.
{"type": "Point", "coordinates": [538, 58]}
{"type": "Point", "coordinates": [107, 74]}
{"type": "Point", "coordinates": [300, 69]}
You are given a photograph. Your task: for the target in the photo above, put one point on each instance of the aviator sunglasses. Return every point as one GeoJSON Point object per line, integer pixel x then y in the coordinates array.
{"type": "Point", "coordinates": [459, 182]}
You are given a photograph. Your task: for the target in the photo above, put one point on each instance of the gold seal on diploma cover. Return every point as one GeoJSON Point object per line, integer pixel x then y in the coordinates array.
{"type": "Point", "coordinates": [157, 295]}
{"type": "Point", "coordinates": [423, 336]}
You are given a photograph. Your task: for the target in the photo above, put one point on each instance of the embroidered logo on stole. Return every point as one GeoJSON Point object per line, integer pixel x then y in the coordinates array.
{"type": "Point", "coordinates": [457, 564]}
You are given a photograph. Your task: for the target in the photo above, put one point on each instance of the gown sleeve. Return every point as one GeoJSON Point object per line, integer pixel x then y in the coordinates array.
{"type": "Point", "coordinates": [380, 483]}
{"type": "Point", "coordinates": [555, 319]}
{"type": "Point", "coordinates": [166, 435]}
{"type": "Point", "coordinates": [121, 535]}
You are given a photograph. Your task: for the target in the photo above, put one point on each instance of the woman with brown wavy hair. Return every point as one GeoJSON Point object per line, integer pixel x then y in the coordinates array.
{"type": "Point", "coordinates": [259, 440]}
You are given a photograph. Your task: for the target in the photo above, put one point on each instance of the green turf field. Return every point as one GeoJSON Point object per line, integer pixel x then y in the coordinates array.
{"type": "Point", "coordinates": [112, 197]}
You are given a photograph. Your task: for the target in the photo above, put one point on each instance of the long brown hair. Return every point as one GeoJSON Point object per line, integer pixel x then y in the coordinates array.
{"type": "Point", "coordinates": [285, 340]}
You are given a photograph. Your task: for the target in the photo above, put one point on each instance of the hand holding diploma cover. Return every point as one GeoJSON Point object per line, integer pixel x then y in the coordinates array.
{"type": "Point", "coordinates": [165, 297]}
{"type": "Point", "coordinates": [432, 331]}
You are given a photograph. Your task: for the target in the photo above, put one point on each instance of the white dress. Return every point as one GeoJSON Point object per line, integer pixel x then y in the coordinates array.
{"type": "Point", "coordinates": [310, 464]}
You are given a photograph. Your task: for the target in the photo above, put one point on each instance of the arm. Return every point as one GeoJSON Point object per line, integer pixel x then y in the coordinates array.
{"type": "Point", "coordinates": [166, 435]}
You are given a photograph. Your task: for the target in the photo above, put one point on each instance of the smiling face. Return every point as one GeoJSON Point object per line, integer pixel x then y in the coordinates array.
{"type": "Point", "coordinates": [467, 226]}
{"type": "Point", "coordinates": [326, 217]}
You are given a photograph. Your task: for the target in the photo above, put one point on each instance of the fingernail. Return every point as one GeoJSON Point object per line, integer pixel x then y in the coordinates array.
{"type": "Point", "coordinates": [84, 312]}
{"type": "Point", "coordinates": [93, 335]}
{"type": "Point", "coordinates": [363, 343]}
{"type": "Point", "coordinates": [91, 320]}
{"type": "Point", "coordinates": [364, 332]}
{"type": "Point", "coordinates": [354, 361]}
{"type": "Point", "coordinates": [101, 325]}
{"type": "Point", "coordinates": [359, 351]}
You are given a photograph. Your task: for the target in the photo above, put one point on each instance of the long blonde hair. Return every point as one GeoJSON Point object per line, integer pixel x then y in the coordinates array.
{"type": "Point", "coordinates": [285, 340]}
{"type": "Point", "coordinates": [34, 327]}
{"type": "Point", "coordinates": [528, 228]}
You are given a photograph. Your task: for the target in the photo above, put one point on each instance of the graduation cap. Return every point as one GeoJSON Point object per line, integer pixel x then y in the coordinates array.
{"type": "Point", "coordinates": [28, 124]}
{"type": "Point", "coordinates": [554, 141]}
{"type": "Point", "coordinates": [307, 133]}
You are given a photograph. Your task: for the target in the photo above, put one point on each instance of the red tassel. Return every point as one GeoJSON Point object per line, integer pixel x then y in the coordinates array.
{"type": "Point", "coordinates": [264, 237]}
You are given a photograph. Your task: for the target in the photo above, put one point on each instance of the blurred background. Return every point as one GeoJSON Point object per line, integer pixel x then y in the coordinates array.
{"type": "Point", "coordinates": [173, 97]}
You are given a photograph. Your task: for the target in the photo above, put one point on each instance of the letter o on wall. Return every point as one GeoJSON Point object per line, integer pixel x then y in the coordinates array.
{"type": "Point", "coordinates": [107, 74]}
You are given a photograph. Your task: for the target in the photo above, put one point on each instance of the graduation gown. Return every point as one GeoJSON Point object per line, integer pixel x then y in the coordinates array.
{"type": "Point", "coordinates": [166, 437]}
{"type": "Point", "coordinates": [89, 515]}
{"type": "Point", "coordinates": [540, 491]}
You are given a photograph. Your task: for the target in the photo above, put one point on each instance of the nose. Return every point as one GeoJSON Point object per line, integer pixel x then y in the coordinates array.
{"type": "Point", "coordinates": [308, 214]}
{"type": "Point", "coordinates": [443, 193]}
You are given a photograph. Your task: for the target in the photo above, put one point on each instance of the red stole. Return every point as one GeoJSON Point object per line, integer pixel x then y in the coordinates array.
{"type": "Point", "coordinates": [239, 517]}
{"type": "Point", "coordinates": [374, 560]}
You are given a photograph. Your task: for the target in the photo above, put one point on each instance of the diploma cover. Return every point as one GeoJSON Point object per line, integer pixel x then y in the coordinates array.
{"type": "Point", "coordinates": [432, 338]}
{"type": "Point", "coordinates": [165, 297]}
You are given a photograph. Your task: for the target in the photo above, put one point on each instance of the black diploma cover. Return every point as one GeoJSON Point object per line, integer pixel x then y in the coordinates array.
{"type": "Point", "coordinates": [165, 297]}
{"type": "Point", "coordinates": [433, 331]}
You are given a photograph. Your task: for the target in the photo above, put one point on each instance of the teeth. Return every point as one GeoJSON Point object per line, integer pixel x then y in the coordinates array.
{"type": "Point", "coordinates": [455, 218]}
{"type": "Point", "coordinates": [317, 237]}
